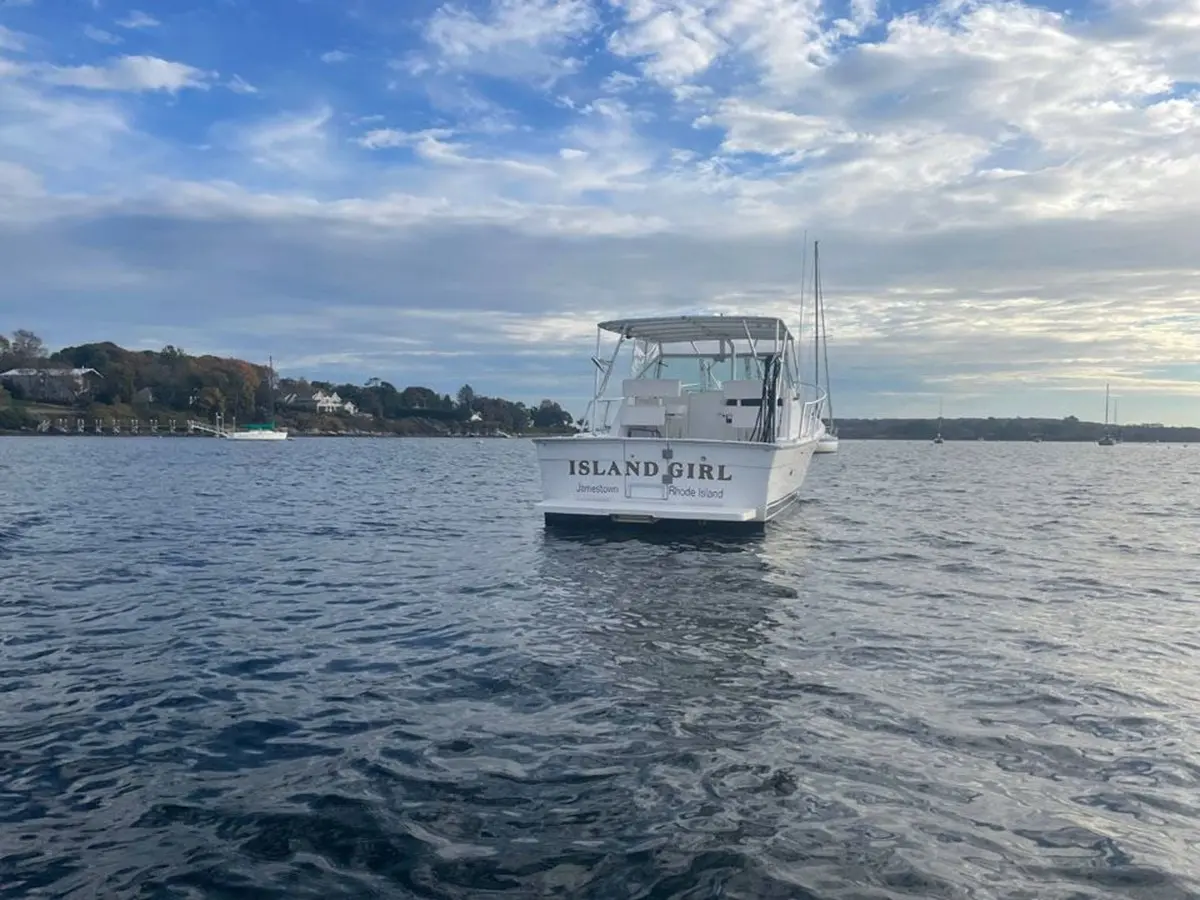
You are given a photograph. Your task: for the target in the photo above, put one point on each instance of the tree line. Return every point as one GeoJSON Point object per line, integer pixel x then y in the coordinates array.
{"type": "Point", "coordinates": [1067, 429]}
{"type": "Point", "coordinates": [172, 381]}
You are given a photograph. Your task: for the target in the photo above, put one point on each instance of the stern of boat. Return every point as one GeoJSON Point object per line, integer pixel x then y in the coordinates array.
{"type": "Point", "coordinates": [603, 480]}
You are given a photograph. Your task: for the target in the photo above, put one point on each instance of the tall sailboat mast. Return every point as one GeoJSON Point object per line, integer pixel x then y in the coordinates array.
{"type": "Point", "coordinates": [800, 312]}
{"type": "Point", "coordinates": [816, 313]}
{"type": "Point", "coordinates": [820, 344]}
{"type": "Point", "coordinates": [825, 354]}
{"type": "Point", "coordinates": [1107, 440]}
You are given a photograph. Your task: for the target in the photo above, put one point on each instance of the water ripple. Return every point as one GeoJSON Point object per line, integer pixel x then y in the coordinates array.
{"type": "Point", "coordinates": [342, 668]}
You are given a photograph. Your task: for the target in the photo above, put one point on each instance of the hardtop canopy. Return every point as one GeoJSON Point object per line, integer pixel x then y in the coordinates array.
{"type": "Point", "coordinates": [685, 329]}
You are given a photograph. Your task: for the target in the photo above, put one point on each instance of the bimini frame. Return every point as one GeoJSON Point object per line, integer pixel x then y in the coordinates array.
{"type": "Point", "coordinates": [656, 338]}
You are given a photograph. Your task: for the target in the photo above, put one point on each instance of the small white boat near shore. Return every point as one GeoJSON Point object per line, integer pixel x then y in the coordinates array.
{"type": "Point", "coordinates": [726, 441]}
{"type": "Point", "coordinates": [264, 431]}
{"type": "Point", "coordinates": [257, 433]}
{"type": "Point", "coordinates": [251, 433]}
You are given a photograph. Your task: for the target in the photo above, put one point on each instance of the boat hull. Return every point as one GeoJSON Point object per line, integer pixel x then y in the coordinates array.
{"type": "Point", "coordinates": [651, 481]}
{"type": "Point", "coordinates": [263, 435]}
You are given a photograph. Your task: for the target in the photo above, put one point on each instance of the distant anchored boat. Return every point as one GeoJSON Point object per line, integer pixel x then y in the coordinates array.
{"type": "Point", "coordinates": [264, 432]}
{"type": "Point", "coordinates": [261, 431]}
{"type": "Point", "coordinates": [258, 432]}
{"type": "Point", "coordinates": [1108, 440]}
{"type": "Point", "coordinates": [729, 445]}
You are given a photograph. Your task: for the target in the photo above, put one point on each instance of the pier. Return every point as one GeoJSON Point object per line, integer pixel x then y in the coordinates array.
{"type": "Point", "coordinates": [129, 427]}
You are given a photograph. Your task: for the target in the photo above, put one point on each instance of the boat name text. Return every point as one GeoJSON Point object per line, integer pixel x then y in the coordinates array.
{"type": "Point", "coordinates": [689, 471]}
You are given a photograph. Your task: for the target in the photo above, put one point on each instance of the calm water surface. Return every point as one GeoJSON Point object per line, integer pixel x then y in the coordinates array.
{"type": "Point", "coordinates": [352, 668]}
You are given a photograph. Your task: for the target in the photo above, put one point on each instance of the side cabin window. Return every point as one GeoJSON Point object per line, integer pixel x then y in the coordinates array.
{"type": "Point", "coordinates": [643, 431]}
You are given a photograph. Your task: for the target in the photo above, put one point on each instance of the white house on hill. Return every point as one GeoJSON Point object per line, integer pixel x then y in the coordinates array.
{"type": "Point", "coordinates": [332, 403]}
{"type": "Point", "coordinates": [327, 402]}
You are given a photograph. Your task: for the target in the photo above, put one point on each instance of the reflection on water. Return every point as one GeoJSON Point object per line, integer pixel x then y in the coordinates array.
{"type": "Point", "coordinates": [364, 668]}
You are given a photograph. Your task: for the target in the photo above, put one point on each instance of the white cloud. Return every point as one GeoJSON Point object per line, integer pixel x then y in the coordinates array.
{"type": "Point", "coordinates": [618, 82]}
{"type": "Point", "coordinates": [239, 85]}
{"type": "Point", "coordinates": [515, 38]}
{"type": "Point", "coordinates": [775, 132]}
{"type": "Point", "coordinates": [433, 146]}
{"type": "Point", "coordinates": [50, 134]}
{"type": "Point", "coordinates": [100, 36]}
{"type": "Point", "coordinates": [18, 182]}
{"type": "Point", "coordinates": [11, 40]}
{"type": "Point", "coordinates": [676, 39]}
{"type": "Point", "coordinates": [434, 149]}
{"type": "Point", "coordinates": [863, 13]}
{"type": "Point", "coordinates": [382, 138]}
{"type": "Point", "coordinates": [129, 73]}
{"type": "Point", "coordinates": [335, 56]}
{"type": "Point", "coordinates": [138, 19]}
{"type": "Point", "coordinates": [295, 142]}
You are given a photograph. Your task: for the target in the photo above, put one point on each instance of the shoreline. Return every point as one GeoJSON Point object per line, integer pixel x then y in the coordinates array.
{"type": "Point", "coordinates": [487, 437]}
{"type": "Point", "coordinates": [298, 434]}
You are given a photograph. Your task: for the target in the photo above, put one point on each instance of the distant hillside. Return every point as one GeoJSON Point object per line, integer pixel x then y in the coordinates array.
{"type": "Point", "coordinates": [104, 380]}
{"type": "Point", "coordinates": [993, 429]}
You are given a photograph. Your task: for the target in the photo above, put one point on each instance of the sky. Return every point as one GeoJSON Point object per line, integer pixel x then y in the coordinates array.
{"type": "Point", "coordinates": [439, 193]}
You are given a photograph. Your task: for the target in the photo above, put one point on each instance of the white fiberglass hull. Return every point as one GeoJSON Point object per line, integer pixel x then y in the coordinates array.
{"type": "Point", "coordinates": [263, 435]}
{"type": "Point", "coordinates": [827, 444]}
{"type": "Point", "coordinates": [651, 480]}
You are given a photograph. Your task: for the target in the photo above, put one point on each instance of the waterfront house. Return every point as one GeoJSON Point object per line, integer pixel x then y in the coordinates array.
{"type": "Point", "coordinates": [326, 402]}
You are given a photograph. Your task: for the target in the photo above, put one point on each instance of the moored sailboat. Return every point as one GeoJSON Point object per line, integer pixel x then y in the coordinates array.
{"type": "Point", "coordinates": [260, 431]}
{"type": "Point", "coordinates": [1107, 440]}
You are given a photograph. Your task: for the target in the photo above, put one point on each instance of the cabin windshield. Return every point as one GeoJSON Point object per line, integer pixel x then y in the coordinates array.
{"type": "Point", "coordinates": [701, 373]}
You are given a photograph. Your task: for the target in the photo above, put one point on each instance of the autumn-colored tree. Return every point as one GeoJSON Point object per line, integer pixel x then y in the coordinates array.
{"type": "Point", "coordinates": [205, 385]}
